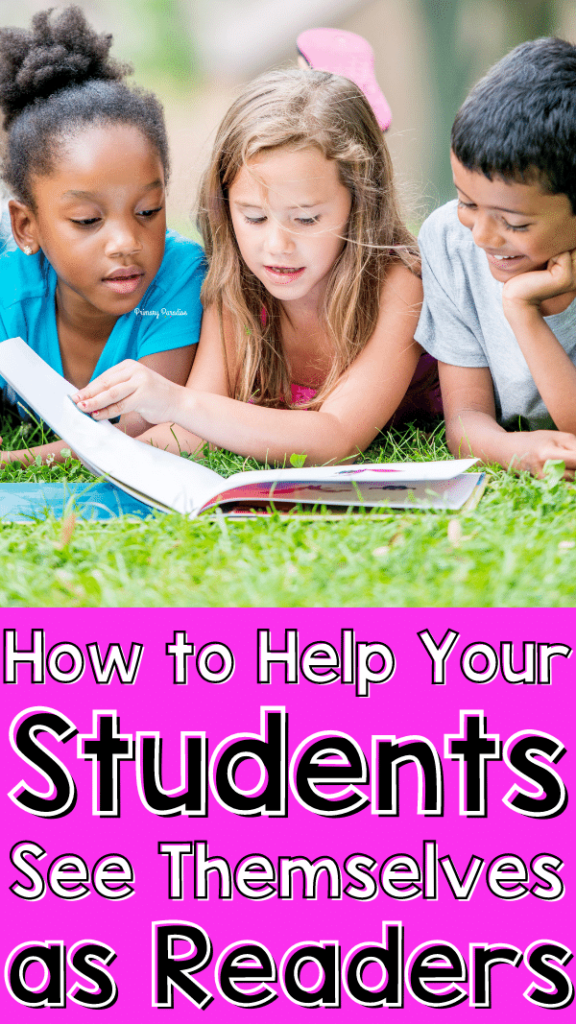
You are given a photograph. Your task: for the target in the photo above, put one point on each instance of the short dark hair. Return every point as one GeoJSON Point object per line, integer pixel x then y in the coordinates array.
{"type": "Point", "coordinates": [519, 121]}
{"type": "Point", "coordinates": [55, 78]}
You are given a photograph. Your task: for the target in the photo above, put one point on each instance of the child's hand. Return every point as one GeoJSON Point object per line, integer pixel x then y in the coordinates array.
{"type": "Point", "coordinates": [535, 286]}
{"type": "Point", "coordinates": [128, 387]}
{"type": "Point", "coordinates": [536, 448]}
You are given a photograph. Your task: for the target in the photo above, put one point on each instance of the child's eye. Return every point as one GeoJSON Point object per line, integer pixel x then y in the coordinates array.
{"type": "Point", "coordinates": [515, 227]}
{"type": "Point", "coordinates": [254, 220]}
{"type": "Point", "coordinates": [87, 221]}
{"type": "Point", "coordinates": [149, 213]}
{"type": "Point", "coordinates": [307, 220]}
{"type": "Point", "coordinates": [467, 206]}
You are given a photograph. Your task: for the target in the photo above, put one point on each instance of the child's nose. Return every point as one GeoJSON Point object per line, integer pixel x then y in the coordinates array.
{"type": "Point", "coordinates": [280, 239]}
{"type": "Point", "coordinates": [122, 239]}
{"type": "Point", "coordinates": [486, 232]}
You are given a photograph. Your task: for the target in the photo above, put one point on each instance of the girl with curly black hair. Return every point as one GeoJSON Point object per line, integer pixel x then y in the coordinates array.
{"type": "Point", "coordinates": [95, 277]}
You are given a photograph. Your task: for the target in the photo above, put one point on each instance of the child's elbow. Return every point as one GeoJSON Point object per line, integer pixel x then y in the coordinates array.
{"type": "Point", "coordinates": [330, 446]}
{"type": "Point", "coordinates": [457, 438]}
{"type": "Point", "coordinates": [335, 449]}
{"type": "Point", "coordinates": [332, 440]}
{"type": "Point", "coordinates": [453, 441]}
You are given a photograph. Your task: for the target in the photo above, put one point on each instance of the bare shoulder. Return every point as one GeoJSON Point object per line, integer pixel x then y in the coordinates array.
{"type": "Point", "coordinates": [210, 371]}
{"type": "Point", "coordinates": [403, 285]}
{"type": "Point", "coordinates": [210, 323]}
{"type": "Point", "coordinates": [217, 329]}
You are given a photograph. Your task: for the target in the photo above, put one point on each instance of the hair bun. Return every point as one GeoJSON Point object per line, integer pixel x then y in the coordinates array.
{"type": "Point", "coordinates": [54, 54]}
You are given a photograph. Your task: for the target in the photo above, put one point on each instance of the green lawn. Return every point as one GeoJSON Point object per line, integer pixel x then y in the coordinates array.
{"type": "Point", "coordinates": [517, 548]}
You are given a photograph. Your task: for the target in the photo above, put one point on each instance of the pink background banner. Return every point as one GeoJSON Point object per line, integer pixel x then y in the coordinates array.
{"type": "Point", "coordinates": [277, 810]}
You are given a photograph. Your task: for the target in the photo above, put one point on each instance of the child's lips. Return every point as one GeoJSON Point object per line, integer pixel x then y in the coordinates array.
{"type": "Point", "coordinates": [124, 280]}
{"type": "Point", "coordinates": [284, 274]}
{"type": "Point", "coordinates": [503, 262]}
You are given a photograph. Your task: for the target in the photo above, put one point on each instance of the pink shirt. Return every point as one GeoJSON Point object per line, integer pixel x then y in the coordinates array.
{"type": "Point", "coordinates": [301, 394]}
{"type": "Point", "coordinates": [422, 396]}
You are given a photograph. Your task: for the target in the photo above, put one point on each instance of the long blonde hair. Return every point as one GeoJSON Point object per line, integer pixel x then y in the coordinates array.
{"type": "Point", "coordinates": [297, 109]}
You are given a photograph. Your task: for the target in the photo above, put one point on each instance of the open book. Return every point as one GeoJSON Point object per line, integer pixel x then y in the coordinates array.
{"type": "Point", "coordinates": [169, 482]}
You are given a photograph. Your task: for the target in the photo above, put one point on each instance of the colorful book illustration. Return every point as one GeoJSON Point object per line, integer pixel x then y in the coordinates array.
{"type": "Point", "coordinates": [171, 483]}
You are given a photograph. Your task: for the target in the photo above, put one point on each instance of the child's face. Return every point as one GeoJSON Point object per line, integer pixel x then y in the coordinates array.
{"type": "Point", "coordinates": [100, 218]}
{"type": "Point", "coordinates": [518, 226]}
{"type": "Point", "coordinates": [289, 210]}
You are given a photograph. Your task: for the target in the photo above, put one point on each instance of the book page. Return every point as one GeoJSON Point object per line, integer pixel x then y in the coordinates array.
{"type": "Point", "coordinates": [399, 485]}
{"type": "Point", "coordinates": [154, 476]}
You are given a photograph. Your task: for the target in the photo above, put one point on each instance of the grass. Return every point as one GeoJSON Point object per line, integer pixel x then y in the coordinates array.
{"type": "Point", "coordinates": [518, 548]}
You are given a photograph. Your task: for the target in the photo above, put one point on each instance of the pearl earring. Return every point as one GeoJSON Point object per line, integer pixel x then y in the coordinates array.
{"type": "Point", "coordinates": [27, 250]}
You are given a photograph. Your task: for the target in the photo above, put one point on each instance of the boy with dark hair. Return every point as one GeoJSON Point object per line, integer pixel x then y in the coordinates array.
{"type": "Point", "coordinates": [499, 265]}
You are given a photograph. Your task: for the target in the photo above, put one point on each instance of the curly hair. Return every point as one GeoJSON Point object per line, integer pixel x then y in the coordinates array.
{"type": "Point", "coordinates": [56, 78]}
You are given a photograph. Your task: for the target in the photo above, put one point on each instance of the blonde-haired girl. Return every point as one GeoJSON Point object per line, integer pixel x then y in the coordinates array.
{"type": "Point", "coordinates": [312, 295]}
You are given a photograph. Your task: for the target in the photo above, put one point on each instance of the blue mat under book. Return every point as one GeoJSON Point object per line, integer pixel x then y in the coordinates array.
{"type": "Point", "coordinates": [24, 503]}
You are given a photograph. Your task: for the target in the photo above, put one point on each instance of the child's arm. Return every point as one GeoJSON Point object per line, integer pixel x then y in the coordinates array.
{"type": "Point", "coordinates": [472, 429]}
{"type": "Point", "coordinates": [362, 402]}
{"type": "Point", "coordinates": [552, 369]}
{"type": "Point", "coordinates": [173, 364]}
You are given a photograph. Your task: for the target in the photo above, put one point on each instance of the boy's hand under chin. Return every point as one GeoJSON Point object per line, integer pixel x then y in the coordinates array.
{"type": "Point", "coordinates": [536, 286]}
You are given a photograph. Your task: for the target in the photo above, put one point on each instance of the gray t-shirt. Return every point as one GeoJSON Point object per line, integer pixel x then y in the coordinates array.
{"type": "Point", "coordinates": [463, 323]}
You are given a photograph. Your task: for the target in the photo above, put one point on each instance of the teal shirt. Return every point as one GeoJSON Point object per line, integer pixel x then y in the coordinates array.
{"type": "Point", "coordinates": [168, 317]}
